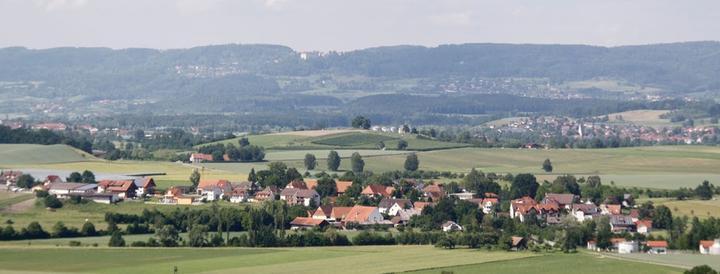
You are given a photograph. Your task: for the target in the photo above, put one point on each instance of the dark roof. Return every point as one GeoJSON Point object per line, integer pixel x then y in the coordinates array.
{"type": "Point", "coordinates": [563, 199]}
{"type": "Point", "coordinates": [387, 203]}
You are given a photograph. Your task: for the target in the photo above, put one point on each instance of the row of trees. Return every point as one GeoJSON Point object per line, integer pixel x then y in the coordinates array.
{"type": "Point", "coordinates": [43, 137]}
{"type": "Point", "coordinates": [357, 163]}
{"type": "Point", "coordinates": [245, 152]}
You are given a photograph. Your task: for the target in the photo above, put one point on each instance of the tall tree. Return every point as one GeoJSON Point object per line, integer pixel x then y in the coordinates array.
{"type": "Point", "coordinates": [662, 218]}
{"type": "Point", "coordinates": [310, 161]}
{"type": "Point", "coordinates": [704, 191]}
{"type": "Point", "coordinates": [195, 178]}
{"type": "Point", "coordinates": [252, 177]}
{"type": "Point", "coordinates": [411, 162]}
{"type": "Point", "coordinates": [357, 163]}
{"type": "Point", "coordinates": [116, 240]}
{"type": "Point", "coordinates": [361, 122]}
{"type": "Point", "coordinates": [88, 177]}
{"type": "Point", "coordinates": [547, 166]}
{"type": "Point", "coordinates": [333, 160]}
{"type": "Point", "coordinates": [402, 145]}
{"type": "Point", "coordinates": [74, 177]}
{"type": "Point", "coordinates": [326, 187]}
{"type": "Point", "coordinates": [523, 185]}
{"type": "Point", "coordinates": [25, 181]}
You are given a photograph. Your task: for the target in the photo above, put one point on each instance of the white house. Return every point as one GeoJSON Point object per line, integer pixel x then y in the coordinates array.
{"type": "Point", "coordinates": [710, 247]}
{"type": "Point", "coordinates": [451, 226]}
{"type": "Point", "coordinates": [364, 215]}
{"type": "Point", "coordinates": [627, 247]}
{"type": "Point", "coordinates": [391, 207]}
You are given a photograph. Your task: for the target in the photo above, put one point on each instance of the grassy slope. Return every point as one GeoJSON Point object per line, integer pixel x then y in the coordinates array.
{"type": "Point", "coordinates": [237, 260]}
{"type": "Point", "coordinates": [40, 154]}
{"type": "Point", "coordinates": [559, 263]}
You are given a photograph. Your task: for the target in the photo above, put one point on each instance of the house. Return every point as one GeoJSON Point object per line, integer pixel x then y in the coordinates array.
{"type": "Point", "coordinates": [584, 212]}
{"type": "Point", "coordinates": [621, 223]}
{"type": "Point", "coordinates": [307, 222]}
{"type": "Point", "coordinates": [52, 179]}
{"type": "Point", "coordinates": [451, 226]}
{"type": "Point", "coordinates": [643, 226]}
{"type": "Point", "coordinates": [323, 212]}
{"type": "Point", "coordinates": [591, 245]}
{"type": "Point", "coordinates": [419, 206]}
{"type": "Point", "coordinates": [657, 247]}
{"type": "Point", "coordinates": [563, 200]}
{"type": "Point", "coordinates": [710, 247]}
{"type": "Point", "coordinates": [239, 195]}
{"type": "Point", "coordinates": [65, 190]}
{"type": "Point", "coordinates": [463, 195]}
{"type": "Point", "coordinates": [342, 186]}
{"type": "Point", "coordinates": [145, 186]}
{"type": "Point", "coordinates": [521, 207]}
{"type": "Point", "coordinates": [486, 204]}
{"type": "Point", "coordinates": [339, 213]}
{"type": "Point", "coordinates": [403, 216]}
{"type": "Point", "coordinates": [392, 206]}
{"type": "Point", "coordinates": [9, 177]}
{"type": "Point", "coordinates": [434, 192]}
{"type": "Point", "coordinates": [297, 184]}
{"type": "Point", "coordinates": [178, 195]}
{"type": "Point", "coordinates": [626, 247]}
{"type": "Point", "coordinates": [311, 183]}
{"type": "Point", "coordinates": [125, 189]}
{"type": "Point", "coordinates": [250, 187]}
{"type": "Point", "coordinates": [267, 194]}
{"type": "Point", "coordinates": [297, 196]}
{"type": "Point", "coordinates": [363, 215]}
{"type": "Point", "coordinates": [518, 243]}
{"type": "Point", "coordinates": [213, 189]}
{"type": "Point", "coordinates": [197, 158]}
{"type": "Point", "coordinates": [610, 209]}
{"type": "Point", "coordinates": [377, 190]}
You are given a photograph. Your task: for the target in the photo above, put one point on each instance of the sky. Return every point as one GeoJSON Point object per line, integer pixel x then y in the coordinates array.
{"type": "Point", "coordinates": [340, 25]}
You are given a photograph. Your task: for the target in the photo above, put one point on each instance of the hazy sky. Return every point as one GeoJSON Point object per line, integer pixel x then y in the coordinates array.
{"type": "Point", "coordinates": [344, 25]}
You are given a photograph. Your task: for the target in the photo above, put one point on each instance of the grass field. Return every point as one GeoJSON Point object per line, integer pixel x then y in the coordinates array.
{"type": "Point", "coordinates": [339, 139]}
{"type": "Point", "coordinates": [378, 259]}
{"type": "Point", "coordinates": [558, 263]}
{"type": "Point", "coordinates": [11, 154]}
{"type": "Point", "coordinates": [10, 198]}
{"type": "Point", "coordinates": [674, 259]}
{"type": "Point", "coordinates": [697, 208]}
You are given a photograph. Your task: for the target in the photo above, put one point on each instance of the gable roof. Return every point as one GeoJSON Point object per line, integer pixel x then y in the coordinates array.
{"type": "Point", "coordinates": [645, 223]}
{"type": "Point", "coordinates": [144, 182]}
{"type": "Point", "coordinates": [211, 183]}
{"type": "Point", "coordinates": [434, 188]}
{"type": "Point", "coordinates": [307, 221]}
{"type": "Point", "coordinates": [560, 198]}
{"type": "Point", "coordinates": [517, 240]}
{"type": "Point", "coordinates": [377, 189]}
{"type": "Point", "coordinates": [387, 203]}
{"type": "Point", "coordinates": [359, 214]}
{"type": "Point", "coordinates": [202, 156]}
{"type": "Point", "coordinates": [342, 186]}
{"type": "Point", "coordinates": [325, 210]}
{"type": "Point", "coordinates": [117, 186]}
{"type": "Point", "coordinates": [420, 205]}
{"type": "Point", "coordinates": [299, 184]}
{"type": "Point", "coordinates": [707, 243]}
{"type": "Point", "coordinates": [339, 212]}
{"type": "Point", "coordinates": [657, 244]}
{"type": "Point", "coordinates": [66, 186]}
{"type": "Point", "coordinates": [311, 183]}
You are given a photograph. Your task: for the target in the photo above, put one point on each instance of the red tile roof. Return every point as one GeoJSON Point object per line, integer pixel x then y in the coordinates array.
{"type": "Point", "coordinates": [645, 223]}
{"type": "Point", "coordinates": [707, 243]}
{"type": "Point", "coordinates": [376, 189]}
{"type": "Point", "coordinates": [307, 221]}
{"type": "Point", "coordinates": [657, 244]}
{"type": "Point", "coordinates": [342, 186]}
{"type": "Point", "coordinates": [359, 214]}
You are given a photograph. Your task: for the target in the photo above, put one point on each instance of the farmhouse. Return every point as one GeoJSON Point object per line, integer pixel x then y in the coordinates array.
{"type": "Point", "coordinates": [239, 195]}
{"type": "Point", "coordinates": [643, 226]}
{"type": "Point", "coordinates": [621, 223]}
{"type": "Point", "coordinates": [197, 158]}
{"type": "Point", "coordinates": [125, 189]}
{"type": "Point", "coordinates": [584, 212]}
{"type": "Point", "coordinates": [434, 192]}
{"type": "Point", "coordinates": [9, 177]}
{"type": "Point", "coordinates": [563, 200]}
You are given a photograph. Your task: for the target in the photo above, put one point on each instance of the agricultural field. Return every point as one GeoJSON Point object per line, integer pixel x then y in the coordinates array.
{"type": "Point", "coordinates": [242, 260]}
{"type": "Point", "coordinates": [340, 139]}
{"type": "Point", "coordinates": [558, 263]}
{"type": "Point", "coordinates": [684, 260]}
{"type": "Point", "coordinates": [11, 154]}
{"type": "Point", "coordinates": [645, 117]}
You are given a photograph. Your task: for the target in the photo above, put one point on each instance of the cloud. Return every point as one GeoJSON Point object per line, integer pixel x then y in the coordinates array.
{"type": "Point", "coordinates": [452, 19]}
{"type": "Point", "coordinates": [53, 5]}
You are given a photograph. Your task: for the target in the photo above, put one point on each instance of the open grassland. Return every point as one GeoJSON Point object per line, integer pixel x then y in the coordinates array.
{"type": "Point", "coordinates": [645, 117]}
{"type": "Point", "coordinates": [11, 154]}
{"type": "Point", "coordinates": [691, 208]}
{"type": "Point", "coordinates": [684, 260]}
{"type": "Point", "coordinates": [504, 121]}
{"type": "Point", "coordinates": [340, 139]}
{"type": "Point", "coordinates": [8, 199]}
{"type": "Point", "coordinates": [558, 263]}
{"type": "Point", "coordinates": [377, 259]}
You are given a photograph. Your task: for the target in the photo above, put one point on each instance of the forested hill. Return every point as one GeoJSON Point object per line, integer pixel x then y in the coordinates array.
{"type": "Point", "coordinates": [272, 79]}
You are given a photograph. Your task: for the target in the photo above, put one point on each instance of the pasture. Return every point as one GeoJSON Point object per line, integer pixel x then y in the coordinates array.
{"type": "Point", "coordinates": [645, 117]}
{"type": "Point", "coordinates": [12, 154]}
{"type": "Point", "coordinates": [691, 208]}
{"type": "Point", "coordinates": [381, 259]}
{"type": "Point", "coordinates": [684, 260]}
{"type": "Point", "coordinates": [340, 139]}
{"type": "Point", "coordinates": [558, 263]}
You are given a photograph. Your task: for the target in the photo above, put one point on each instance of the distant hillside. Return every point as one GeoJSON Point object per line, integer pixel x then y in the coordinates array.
{"type": "Point", "coordinates": [276, 84]}
{"type": "Point", "coordinates": [14, 154]}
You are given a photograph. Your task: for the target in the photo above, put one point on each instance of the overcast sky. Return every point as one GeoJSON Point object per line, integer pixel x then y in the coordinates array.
{"type": "Point", "coordinates": [346, 25]}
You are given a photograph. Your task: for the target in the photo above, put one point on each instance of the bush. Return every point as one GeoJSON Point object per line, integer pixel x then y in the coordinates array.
{"type": "Point", "coordinates": [368, 238]}
{"type": "Point", "coordinates": [702, 269]}
{"type": "Point", "coordinates": [41, 194]}
{"type": "Point", "coordinates": [116, 240]}
{"type": "Point", "coordinates": [52, 202]}
{"type": "Point", "coordinates": [75, 243]}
